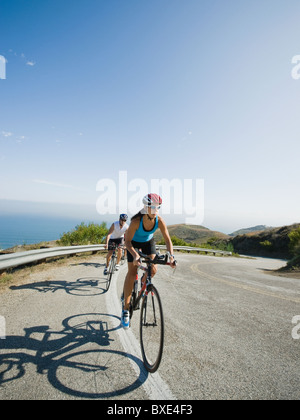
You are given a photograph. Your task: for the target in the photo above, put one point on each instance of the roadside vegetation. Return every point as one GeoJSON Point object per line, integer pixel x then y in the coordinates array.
{"type": "Point", "coordinates": [213, 243]}
{"type": "Point", "coordinates": [84, 234]}
{"type": "Point", "coordinates": [294, 262]}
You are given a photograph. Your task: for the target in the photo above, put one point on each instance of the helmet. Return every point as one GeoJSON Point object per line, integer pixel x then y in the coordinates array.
{"type": "Point", "coordinates": [123, 217]}
{"type": "Point", "coordinates": [152, 200]}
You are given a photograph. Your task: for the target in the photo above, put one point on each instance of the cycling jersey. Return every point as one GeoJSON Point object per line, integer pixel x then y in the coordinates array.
{"type": "Point", "coordinates": [118, 232]}
{"type": "Point", "coordinates": [142, 235]}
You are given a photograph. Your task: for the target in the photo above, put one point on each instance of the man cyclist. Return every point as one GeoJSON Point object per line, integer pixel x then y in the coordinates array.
{"type": "Point", "coordinates": [116, 235]}
{"type": "Point", "coordinates": [140, 236]}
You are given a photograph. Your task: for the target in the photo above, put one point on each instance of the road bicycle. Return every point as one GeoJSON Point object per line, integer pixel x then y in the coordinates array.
{"type": "Point", "coordinates": [112, 263]}
{"type": "Point", "coordinates": [151, 316]}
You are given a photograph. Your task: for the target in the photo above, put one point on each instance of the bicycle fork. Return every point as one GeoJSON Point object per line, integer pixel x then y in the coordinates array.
{"type": "Point", "coordinates": [150, 300]}
{"type": "Point", "coordinates": [135, 293]}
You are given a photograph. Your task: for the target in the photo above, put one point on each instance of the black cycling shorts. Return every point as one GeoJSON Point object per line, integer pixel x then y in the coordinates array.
{"type": "Point", "coordinates": [118, 241]}
{"type": "Point", "coordinates": [147, 248]}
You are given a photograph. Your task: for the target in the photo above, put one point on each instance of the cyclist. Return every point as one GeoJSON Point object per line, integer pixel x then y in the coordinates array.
{"type": "Point", "coordinates": [116, 235]}
{"type": "Point", "coordinates": [140, 236]}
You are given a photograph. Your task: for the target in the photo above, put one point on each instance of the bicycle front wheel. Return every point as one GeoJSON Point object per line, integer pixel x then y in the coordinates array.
{"type": "Point", "coordinates": [152, 330]}
{"type": "Point", "coordinates": [111, 270]}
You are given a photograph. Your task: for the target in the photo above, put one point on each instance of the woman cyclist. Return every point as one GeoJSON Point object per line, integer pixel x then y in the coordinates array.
{"type": "Point", "coordinates": [140, 236]}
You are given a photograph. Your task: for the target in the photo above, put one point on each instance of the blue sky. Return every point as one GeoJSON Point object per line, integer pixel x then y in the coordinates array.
{"type": "Point", "coordinates": [193, 89]}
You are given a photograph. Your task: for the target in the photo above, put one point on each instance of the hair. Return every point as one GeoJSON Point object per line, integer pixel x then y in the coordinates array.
{"type": "Point", "coordinates": [139, 215]}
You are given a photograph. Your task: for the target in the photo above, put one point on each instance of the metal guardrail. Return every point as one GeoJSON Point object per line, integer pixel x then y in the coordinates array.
{"type": "Point", "coordinates": [27, 257]}
{"type": "Point", "coordinates": [190, 249]}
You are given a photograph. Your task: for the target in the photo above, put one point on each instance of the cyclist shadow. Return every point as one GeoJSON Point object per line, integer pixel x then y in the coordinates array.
{"type": "Point", "coordinates": [85, 286]}
{"type": "Point", "coordinates": [76, 360]}
{"type": "Point", "coordinates": [89, 264]}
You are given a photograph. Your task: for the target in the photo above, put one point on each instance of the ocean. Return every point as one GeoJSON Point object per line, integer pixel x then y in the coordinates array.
{"type": "Point", "coordinates": [32, 229]}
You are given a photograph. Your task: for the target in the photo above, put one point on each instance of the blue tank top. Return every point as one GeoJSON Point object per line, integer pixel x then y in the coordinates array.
{"type": "Point", "coordinates": [142, 235]}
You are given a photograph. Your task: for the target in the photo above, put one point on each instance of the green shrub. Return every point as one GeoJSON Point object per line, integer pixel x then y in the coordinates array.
{"type": "Point", "coordinates": [84, 234]}
{"type": "Point", "coordinates": [212, 243]}
{"type": "Point", "coordinates": [295, 241]}
{"type": "Point", "coordinates": [177, 242]}
{"type": "Point", "coordinates": [267, 245]}
{"type": "Point", "coordinates": [219, 244]}
{"type": "Point", "coordinates": [294, 236]}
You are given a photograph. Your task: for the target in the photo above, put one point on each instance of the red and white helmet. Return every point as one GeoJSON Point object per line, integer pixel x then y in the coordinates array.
{"type": "Point", "coordinates": [152, 200]}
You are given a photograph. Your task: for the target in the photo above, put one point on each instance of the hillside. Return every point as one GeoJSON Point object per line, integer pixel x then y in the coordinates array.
{"type": "Point", "coordinates": [254, 229]}
{"type": "Point", "coordinates": [192, 233]}
{"type": "Point", "coordinates": [260, 240]}
{"type": "Point", "coordinates": [273, 243]}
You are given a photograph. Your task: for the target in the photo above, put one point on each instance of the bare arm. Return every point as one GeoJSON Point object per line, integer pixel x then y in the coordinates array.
{"type": "Point", "coordinates": [133, 227]}
{"type": "Point", "coordinates": [109, 235]}
{"type": "Point", "coordinates": [164, 230]}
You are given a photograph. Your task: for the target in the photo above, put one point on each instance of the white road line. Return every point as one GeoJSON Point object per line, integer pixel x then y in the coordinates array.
{"type": "Point", "coordinates": [153, 384]}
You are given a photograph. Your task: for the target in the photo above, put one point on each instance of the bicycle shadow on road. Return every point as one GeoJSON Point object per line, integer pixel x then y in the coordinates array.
{"type": "Point", "coordinates": [85, 286]}
{"type": "Point", "coordinates": [77, 360]}
{"type": "Point", "coordinates": [89, 264]}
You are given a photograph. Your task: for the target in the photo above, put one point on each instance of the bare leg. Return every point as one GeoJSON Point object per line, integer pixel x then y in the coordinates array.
{"type": "Point", "coordinates": [130, 279]}
{"type": "Point", "coordinates": [119, 255]}
{"type": "Point", "coordinates": [128, 284]}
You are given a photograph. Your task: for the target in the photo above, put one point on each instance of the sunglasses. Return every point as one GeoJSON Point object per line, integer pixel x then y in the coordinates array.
{"type": "Point", "coordinates": [154, 207]}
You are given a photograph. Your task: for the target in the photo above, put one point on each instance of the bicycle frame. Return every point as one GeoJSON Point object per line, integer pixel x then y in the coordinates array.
{"type": "Point", "coordinates": [143, 289]}
{"type": "Point", "coordinates": [112, 263]}
{"type": "Point", "coordinates": [114, 249]}
{"type": "Point", "coordinates": [162, 260]}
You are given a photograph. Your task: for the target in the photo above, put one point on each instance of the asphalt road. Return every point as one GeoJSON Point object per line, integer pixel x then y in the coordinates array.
{"type": "Point", "coordinates": [228, 325]}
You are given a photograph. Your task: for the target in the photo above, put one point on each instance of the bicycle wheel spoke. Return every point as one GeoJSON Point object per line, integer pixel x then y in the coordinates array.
{"type": "Point", "coordinates": [152, 330]}
{"type": "Point", "coordinates": [111, 269]}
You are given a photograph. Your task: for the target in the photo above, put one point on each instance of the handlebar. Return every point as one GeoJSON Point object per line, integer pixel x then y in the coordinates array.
{"type": "Point", "coordinates": [161, 259]}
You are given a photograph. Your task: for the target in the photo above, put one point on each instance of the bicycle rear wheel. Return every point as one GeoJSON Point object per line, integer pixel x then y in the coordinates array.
{"type": "Point", "coordinates": [152, 330]}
